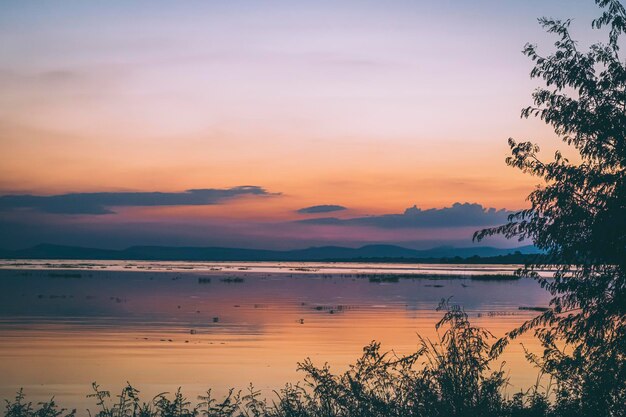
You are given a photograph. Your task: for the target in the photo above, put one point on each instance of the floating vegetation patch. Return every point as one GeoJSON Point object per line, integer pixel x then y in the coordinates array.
{"type": "Point", "coordinates": [534, 308]}
{"type": "Point", "coordinates": [377, 278]}
{"type": "Point", "coordinates": [204, 280]}
{"type": "Point", "coordinates": [63, 266]}
{"type": "Point", "coordinates": [235, 280]}
{"type": "Point", "coordinates": [495, 277]}
{"type": "Point", "coordinates": [333, 309]}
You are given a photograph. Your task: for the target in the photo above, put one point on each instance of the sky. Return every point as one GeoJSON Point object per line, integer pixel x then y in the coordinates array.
{"type": "Point", "coordinates": [267, 124]}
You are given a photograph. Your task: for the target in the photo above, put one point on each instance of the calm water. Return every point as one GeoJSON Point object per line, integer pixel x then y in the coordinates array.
{"type": "Point", "coordinates": [161, 325]}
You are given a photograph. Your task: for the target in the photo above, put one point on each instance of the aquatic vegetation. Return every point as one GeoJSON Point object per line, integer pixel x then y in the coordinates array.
{"type": "Point", "coordinates": [332, 309]}
{"type": "Point", "coordinates": [534, 308]}
{"type": "Point", "coordinates": [494, 277]}
{"type": "Point", "coordinates": [394, 278]}
{"type": "Point", "coordinates": [235, 280]}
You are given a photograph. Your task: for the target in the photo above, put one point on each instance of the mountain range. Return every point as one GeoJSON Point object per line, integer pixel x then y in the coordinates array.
{"type": "Point", "coordinates": [321, 253]}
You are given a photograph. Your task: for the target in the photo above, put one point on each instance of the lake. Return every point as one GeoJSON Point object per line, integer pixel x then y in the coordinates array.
{"type": "Point", "coordinates": [164, 325]}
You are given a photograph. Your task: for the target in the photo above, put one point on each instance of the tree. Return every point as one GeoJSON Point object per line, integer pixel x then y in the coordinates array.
{"type": "Point", "coordinates": [578, 215]}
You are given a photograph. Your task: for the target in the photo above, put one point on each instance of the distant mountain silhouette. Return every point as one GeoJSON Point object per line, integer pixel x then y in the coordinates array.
{"type": "Point", "coordinates": [322, 253]}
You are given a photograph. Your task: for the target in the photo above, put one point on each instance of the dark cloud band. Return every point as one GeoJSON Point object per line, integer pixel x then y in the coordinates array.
{"type": "Point", "coordinates": [101, 203]}
{"type": "Point", "coordinates": [459, 215]}
{"type": "Point", "coordinates": [323, 208]}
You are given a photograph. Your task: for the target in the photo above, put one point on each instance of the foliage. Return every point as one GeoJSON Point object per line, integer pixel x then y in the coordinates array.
{"type": "Point", "coordinates": [19, 408]}
{"type": "Point", "coordinates": [578, 216]}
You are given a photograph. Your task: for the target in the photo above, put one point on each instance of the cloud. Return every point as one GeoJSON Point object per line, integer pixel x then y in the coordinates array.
{"type": "Point", "coordinates": [459, 215]}
{"type": "Point", "coordinates": [101, 203]}
{"type": "Point", "coordinates": [323, 208]}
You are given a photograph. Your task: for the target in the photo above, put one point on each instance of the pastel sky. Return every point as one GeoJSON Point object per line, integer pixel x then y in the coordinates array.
{"type": "Point", "coordinates": [277, 114]}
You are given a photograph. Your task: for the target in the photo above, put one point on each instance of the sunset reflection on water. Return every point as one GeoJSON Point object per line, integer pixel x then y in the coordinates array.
{"type": "Point", "coordinates": [65, 328]}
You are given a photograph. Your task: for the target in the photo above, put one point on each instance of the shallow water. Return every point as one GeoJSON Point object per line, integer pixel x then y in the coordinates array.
{"type": "Point", "coordinates": [161, 325]}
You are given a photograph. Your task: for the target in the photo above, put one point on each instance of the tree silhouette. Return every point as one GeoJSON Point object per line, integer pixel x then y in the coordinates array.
{"type": "Point", "coordinates": [578, 215]}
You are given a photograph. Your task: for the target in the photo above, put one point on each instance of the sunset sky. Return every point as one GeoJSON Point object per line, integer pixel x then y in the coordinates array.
{"type": "Point", "coordinates": [228, 123]}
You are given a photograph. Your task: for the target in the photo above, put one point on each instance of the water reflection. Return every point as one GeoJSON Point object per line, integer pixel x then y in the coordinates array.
{"type": "Point", "coordinates": [205, 327]}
